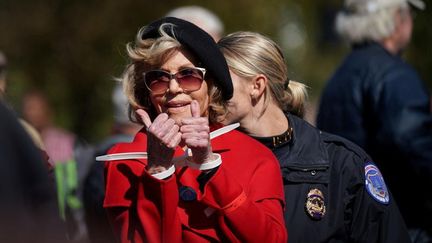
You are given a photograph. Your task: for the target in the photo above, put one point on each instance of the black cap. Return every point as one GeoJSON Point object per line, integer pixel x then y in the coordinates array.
{"type": "Point", "coordinates": [202, 45]}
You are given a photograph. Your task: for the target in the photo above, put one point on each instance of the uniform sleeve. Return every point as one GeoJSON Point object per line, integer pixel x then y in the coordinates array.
{"type": "Point", "coordinates": [254, 216]}
{"type": "Point", "coordinates": [371, 213]}
{"type": "Point", "coordinates": [405, 110]}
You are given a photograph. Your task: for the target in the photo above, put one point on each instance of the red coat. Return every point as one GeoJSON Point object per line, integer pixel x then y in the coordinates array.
{"type": "Point", "coordinates": [242, 202]}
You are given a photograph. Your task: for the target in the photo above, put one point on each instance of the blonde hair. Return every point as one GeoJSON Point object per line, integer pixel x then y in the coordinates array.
{"type": "Point", "coordinates": [249, 54]}
{"type": "Point", "coordinates": [148, 54]}
{"type": "Point", "coordinates": [361, 26]}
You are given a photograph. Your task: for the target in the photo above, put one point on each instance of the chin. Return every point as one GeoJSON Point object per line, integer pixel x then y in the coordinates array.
{"type": "Point", "coordinates": [177, 117]}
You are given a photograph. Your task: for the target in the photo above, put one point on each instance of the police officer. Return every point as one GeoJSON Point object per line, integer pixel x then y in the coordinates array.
{"type": "Point", "coordinates": [333, 190]}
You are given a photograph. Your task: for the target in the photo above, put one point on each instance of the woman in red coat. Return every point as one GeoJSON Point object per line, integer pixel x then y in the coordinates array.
{"type": "Point", "coordinates": [182, 179]}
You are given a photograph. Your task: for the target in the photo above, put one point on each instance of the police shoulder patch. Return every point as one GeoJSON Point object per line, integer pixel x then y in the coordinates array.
{"type": "Point", "coordinates": [375, 184]}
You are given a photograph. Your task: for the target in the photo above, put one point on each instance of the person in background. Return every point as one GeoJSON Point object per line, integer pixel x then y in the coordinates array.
{"type": "Point", "coordinates": [123, 130]}
{"type": "Point", "coordinates": [70, 157]}
{"type": "Point", "coordinates": [28, 209]}
{"type": "Point", "coordinates": [334, 192]}
{"type": "Point", "coordinates": [190, 185]}
{"type": "Point", "coordinates": [201, 17]}
{"type": "Point", "coordinates": [31, 131]}
{"type": "Point", "coordinates": [37, 111]}
{"type": "Point", "coordinates": [378, 101]}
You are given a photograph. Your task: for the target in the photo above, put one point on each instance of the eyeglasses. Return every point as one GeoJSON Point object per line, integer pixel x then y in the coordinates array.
{"type": "Point", "coordinates": [189, 79]}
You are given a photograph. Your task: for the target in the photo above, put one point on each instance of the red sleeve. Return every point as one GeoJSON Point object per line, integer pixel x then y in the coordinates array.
{"type": "Point", "coordinates": [253, 216]}
{"type": "Point", "coordinates": [121, 180]}
{"type": "Point", "coordinates": [157, 209]}
{"type": "Point", "coordinates": [153, 216]}
{"type": "Point", "coordinates": [120, 193]}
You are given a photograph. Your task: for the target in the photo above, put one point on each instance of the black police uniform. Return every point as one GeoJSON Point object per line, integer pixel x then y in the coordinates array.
{"type": "Point", "coordinates": [327, 199]}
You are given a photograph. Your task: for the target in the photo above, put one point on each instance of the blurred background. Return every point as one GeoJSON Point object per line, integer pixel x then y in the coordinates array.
{"type": "Point", "coordinates": [72, 50]}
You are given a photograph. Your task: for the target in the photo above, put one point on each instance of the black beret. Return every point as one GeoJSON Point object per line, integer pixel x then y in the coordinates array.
{"type": "Point", "coordinates": [202, 45]}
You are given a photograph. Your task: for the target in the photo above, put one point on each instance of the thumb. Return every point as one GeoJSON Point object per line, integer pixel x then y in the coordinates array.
{"type": "Point", "coordinates": [195, 109]}
{"type": "Point", "coordinates": [144, 117]}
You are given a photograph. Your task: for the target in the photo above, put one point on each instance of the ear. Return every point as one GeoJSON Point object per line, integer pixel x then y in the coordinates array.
{"type": "Point", "coordinates": [398, 19]}
{"type": "Point", "coordinates": [259, 83]}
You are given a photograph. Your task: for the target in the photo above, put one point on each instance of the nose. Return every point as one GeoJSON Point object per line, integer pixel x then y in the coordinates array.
{"type": "Point", "coordinates": [174, 86]}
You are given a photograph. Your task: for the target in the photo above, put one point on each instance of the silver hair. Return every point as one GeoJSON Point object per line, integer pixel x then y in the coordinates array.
{"type": "Point", "coordinates": [360, 26]}
{"type": "Point", "coordinates": [120, 105]}
{"type": "Point", "coordinates": [202, 17]}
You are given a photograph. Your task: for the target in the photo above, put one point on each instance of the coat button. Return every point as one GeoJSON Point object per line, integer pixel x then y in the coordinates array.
{"type": "Point", "coordinates": [187, 194]}
{"type": "Point", "coordinates": [313, 172]}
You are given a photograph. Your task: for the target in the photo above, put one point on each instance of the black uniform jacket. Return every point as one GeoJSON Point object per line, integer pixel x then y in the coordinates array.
{"type": "Point", "coordinates": [336, 168]}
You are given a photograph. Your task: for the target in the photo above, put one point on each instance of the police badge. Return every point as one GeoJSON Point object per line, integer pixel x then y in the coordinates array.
{"type": "Point", "coordinates": [315, 206]}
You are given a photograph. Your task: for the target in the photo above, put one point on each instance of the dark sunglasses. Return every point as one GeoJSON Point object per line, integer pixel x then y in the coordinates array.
{"type": "Point", "coordinates": [189, 79]}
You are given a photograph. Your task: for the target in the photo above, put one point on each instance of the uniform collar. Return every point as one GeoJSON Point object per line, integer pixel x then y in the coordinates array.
{"type": "Point", "coordinates": [306, 146]}
{"type": "Point", "coordinates": [276, 141]}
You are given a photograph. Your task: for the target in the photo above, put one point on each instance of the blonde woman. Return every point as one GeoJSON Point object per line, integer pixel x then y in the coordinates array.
{"type": "Point", "coordinates": [334, 193]}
